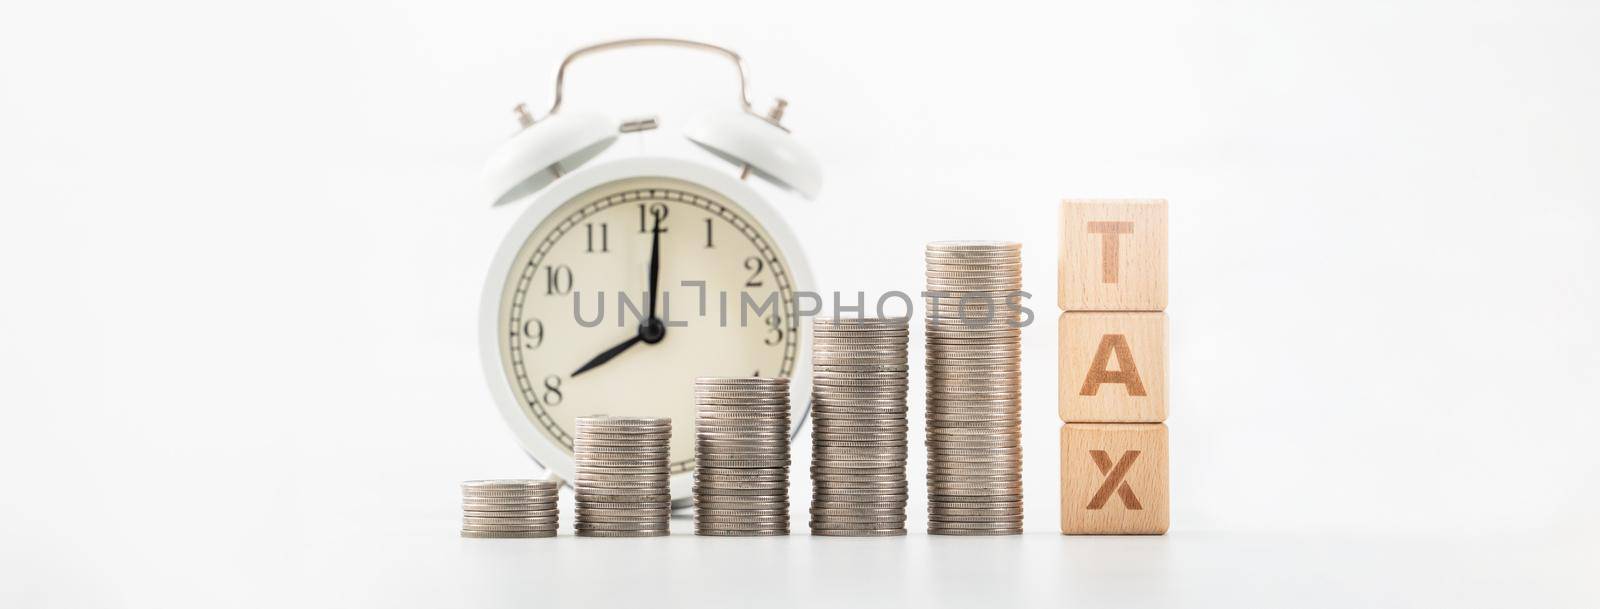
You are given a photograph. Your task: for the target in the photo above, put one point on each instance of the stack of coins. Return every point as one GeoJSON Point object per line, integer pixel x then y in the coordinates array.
{"type": "Point", "coordinates": [621, 487]}
{"type": "Point", "coordinates": [858, 433]}
{"type": "Point", "coordinates": [508, 508]}
{"type": "Point", "coordinates": [741, 452]}
{"type": "Point", "coordinates": [974, 420]}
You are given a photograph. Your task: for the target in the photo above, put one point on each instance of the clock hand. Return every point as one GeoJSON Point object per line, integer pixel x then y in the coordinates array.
{"type": "Point", "coordinates": [609, 353]}
{"type": "Point", "coordinates": [652, 330]}
{"type": "Point", "coordinates": [655, 266]}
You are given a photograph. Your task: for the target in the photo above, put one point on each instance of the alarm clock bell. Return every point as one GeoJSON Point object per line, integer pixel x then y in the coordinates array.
{"type": "Point", "coordinates": [545, 149]}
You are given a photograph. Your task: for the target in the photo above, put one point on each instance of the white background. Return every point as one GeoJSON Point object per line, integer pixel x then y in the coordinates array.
{"type": "Point", "coordinates": [241, 249]}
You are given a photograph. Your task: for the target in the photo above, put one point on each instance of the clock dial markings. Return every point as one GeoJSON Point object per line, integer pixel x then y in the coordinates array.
{"type": "Point", "coordinates": [573, 254]}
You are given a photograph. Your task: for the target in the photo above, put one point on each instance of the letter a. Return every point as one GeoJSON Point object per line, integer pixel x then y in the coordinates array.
{"type": "Point", "coordinates": [1126, 373]}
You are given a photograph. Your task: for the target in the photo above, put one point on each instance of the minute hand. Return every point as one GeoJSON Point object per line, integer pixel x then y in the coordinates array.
{"type": "Point", "coordinates": [655, 266]}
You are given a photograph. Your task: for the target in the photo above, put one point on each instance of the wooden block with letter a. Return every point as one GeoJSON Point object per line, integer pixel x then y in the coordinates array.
{"type": "Point", "coordinates": [1113, 367]}
{"type": "Point", "coordinates": [1113, 255]}
{"type": "Point", "coordinates": [1114, 479]}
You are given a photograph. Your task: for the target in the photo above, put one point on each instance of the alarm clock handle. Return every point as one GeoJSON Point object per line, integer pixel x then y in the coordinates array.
{"type": "Point", "coordinates": [561, 72]}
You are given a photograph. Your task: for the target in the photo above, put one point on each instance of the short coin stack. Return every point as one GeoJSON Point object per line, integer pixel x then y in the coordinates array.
{"type": "Point", "coordinates": [741, 442]}
{"type": "Point", "coordinates": [508, 508]}
{"type": "Point", "coordinates": [621, 487]}
{"type": "Point", "coordinates": [858, 464]}
{"type": "Point", "coordinates": [974, 419]}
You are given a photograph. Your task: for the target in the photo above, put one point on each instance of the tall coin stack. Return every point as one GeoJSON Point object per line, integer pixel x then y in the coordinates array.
{"type": "Point", "coordinates": [621, 487]}
{"type": "Point", "coordinates": [508, 508]}
{"type": "Point", "coordinates": [741, 444]}
{"type": "Point", "coordinates": [974, 419]}
{"type": "Point", "coordinates": [858, 464]}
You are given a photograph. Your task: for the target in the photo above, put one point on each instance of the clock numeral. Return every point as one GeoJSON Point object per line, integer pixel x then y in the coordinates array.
{"type": "Point", "coordinates": [533, 332]}
{"type": "Point", "coordinates": [552, 390]}
{"type": "Point", "coordinates": [605, 234]}
{"type": "Point", "coordinates": [557, 280]}
{"type": "Point", "coordinates": [658, 212]}
{"type": "Point", "coordinates": [709, 244]}
{"type": "Point", "coordinates": [754, 264]}
{"type": "Point", "coordinates": [774, 330]}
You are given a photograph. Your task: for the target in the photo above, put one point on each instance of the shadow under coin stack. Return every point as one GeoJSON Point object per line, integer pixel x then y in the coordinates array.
{"type": "Point", "coordinates": [974, 419]}
{"type": "Point", "coordinates": [741, 443]}
{"type": "Point", "coordinates": [621, 487]}
{"type": "Point", "coordinates": [858, 418]}
{"type": "Point", "coordinates": [509, 508]}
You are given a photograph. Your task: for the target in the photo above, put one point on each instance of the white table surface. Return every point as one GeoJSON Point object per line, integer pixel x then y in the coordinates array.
{"type": "Point", "coordinates": [424, 564]}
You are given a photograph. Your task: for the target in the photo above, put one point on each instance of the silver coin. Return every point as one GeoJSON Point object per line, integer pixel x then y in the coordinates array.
{"type": "Point", "coordinates": [509, 529]}
{"type": "Point", "coordinates": [826, 532]}
{"type": "Point", "coordinates": [508, 524]}
{"type": "Point", "coordinates": [725, 484]}
{"type": "Point", "coordinates": [895, 501]}
{"type": "Point", "coordinates": [596, 515]}
{"type": "Point", "coordinates": [860, 494]}
{"type": "Point", "coordinates": [652, 533]}
{"type": "Point", "coordinates": [622, 466]}
{"type": "Point", "coordinates": [884, 507]}
{"type": "Point", "coordinates": [974, 246]}
{"type": "Point", "coordinates": [479, 506]}
{"type": "Point", "coordinates": [508, 534]}
{"type": "Point", "coordinates": [870, 521]}
{"type": "Point", "coordinates": [765, 490]}
{"type": "Point", "coordinates": [748, 501]}
{"type": "Point", "coordinates": [622, 424]}
{"type": "Point", "coordinates": [741, 476]}
{"type": "Point", "coordinates": [620, 447]}
{"type": "Point", "coordinates": [635, 496]}
{"type": "Point", "coordinates": [856, 510]}
{"type": "Point", "coordinates": [758, 434]}
{"type": "Point", "coordinates": [996, 510]}
{"type": "Point", "coordinates": [623, 505]}
{"type": "Point", "coordinates": [510, 499]}
{"type": "Point", "coordinates": [758, 401]}
{"type": "Point", "coordinates": [857, 477]}
{"type": "Point", "coordinates": [620, 525]}
{"type": "Point", "coordinates": [938, 502]}
{"type": "Point", "coordinates": [520, 510]}
{"type": "Point", "coordinates": [936, 508]}
{"type": "Point", "coordinates": [863, 461]}
{"type": "Point", "coordinates": [897, 426]}
{"type": "Point", "coordinates": [1005, 523]}
{"type": "Point", "coordinates": [942, 531]}
{"type": "Point", "coordinates": [840, 417]}
{"type": "Point", "coordinates": [607, 523]}
{"type": "Point", "coordinates": [742, 520]}
{"type": "Point", "coordinates": [497, 523]}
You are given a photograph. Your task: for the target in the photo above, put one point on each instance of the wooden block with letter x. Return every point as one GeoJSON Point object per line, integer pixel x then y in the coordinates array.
{"type": "Point", "coordinates": [1113, 255]}
{"type": "Point", "coordinates": [1114, 479]}
{"type": "Point", "coordinates": [1113, 367]}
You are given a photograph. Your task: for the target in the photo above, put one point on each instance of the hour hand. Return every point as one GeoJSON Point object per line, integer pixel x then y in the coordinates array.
{"type": "Point", "coordinates": [608, 354]}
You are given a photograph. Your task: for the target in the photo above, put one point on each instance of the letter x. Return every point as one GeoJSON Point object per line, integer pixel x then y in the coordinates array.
{"type": "Point", "coordinates": [1114, 480]}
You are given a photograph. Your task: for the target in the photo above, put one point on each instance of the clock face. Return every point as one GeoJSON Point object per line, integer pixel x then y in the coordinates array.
{"type": "Point", "coordinates": [578, 290]}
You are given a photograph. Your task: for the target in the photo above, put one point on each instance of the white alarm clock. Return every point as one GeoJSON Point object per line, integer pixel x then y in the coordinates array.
{"type": "Point", "coordinates": [626, 279]}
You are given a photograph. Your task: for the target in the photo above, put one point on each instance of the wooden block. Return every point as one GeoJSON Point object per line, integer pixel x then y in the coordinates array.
{"type": "Point", "coordinates": [1113, 367]}
{"type": "Point", "coordinates": [1113, 255]}
{"type": "Point", "coordinates": [1114, 479]}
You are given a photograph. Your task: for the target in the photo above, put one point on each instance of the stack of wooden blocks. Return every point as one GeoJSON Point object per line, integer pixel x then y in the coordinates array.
{"type": "Point", "coordinates": [1113, 296]}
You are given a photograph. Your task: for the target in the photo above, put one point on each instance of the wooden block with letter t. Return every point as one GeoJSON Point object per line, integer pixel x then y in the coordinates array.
{"type": "Point", "coordinates": [1113, 255]}
{"type": "Point", "coordinates": [1114, 479]}
{"type": "Point", "coordinates": [1113, 367]}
